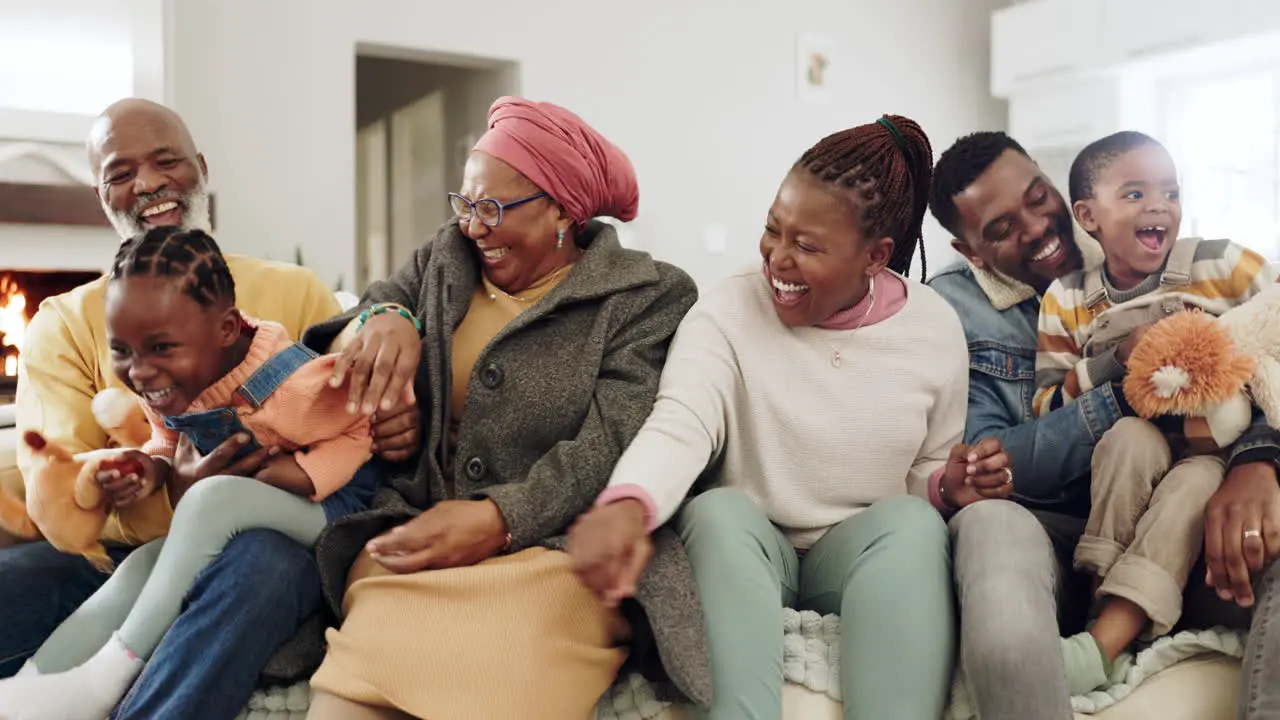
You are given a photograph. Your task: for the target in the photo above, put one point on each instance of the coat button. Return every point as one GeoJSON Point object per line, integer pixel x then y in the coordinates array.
{"type": "Point", "coordinates": [491, 376]}
{"type": "Point", "coordinates": [475, 468]}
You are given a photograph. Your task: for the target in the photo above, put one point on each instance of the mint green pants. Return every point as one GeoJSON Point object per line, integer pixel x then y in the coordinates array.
{"type": "Point", "coordinates": [886, 571]}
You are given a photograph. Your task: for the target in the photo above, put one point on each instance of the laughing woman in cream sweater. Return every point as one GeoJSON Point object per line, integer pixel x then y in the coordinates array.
{"type": "Point", "coordinates": [823, 397]}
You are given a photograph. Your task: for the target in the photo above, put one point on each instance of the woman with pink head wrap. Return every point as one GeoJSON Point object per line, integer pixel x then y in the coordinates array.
{"type": "Point", "coordinates": [586, 174]}
{"type": "Point", "coordinates": [532, 343]}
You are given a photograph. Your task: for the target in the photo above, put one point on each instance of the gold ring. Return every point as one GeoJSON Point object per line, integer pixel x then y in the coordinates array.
{"type": "Point", "coordinates": [1008, 476]}
{"type": "Point", "coordinates": [1252, 534]}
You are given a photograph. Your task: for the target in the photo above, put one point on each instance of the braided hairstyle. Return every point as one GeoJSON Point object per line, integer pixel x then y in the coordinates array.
{"type": "Point", "coordinates": [189, 256]}
{"type": "Point", "coordinates": [887, 165]}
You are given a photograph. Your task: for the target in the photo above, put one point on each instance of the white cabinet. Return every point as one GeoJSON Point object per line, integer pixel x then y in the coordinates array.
{"type": "Point", "coordinates": [1066, 115]}
{"type": "Point", "coordinates": [1038, 41]}
{"type": "Point", "coordinates": [1137, 30]}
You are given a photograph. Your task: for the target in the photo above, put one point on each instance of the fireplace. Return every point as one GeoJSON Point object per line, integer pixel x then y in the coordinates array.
{"type": "Point", "coordinates": [21, 292]}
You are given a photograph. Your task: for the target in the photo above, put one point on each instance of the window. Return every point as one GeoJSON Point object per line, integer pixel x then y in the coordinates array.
{"type": "Point", "coordinates": [1222, 133]}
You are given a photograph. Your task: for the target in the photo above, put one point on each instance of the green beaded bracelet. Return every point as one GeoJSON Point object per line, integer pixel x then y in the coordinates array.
{"type": "Point", "coordinates": [386, 307]}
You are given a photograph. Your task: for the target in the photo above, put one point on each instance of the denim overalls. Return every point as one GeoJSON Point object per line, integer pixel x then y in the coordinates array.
{"type": "Point", "coordinates": [207, 429]}
{"type": "Point", "coordinates": [1114, 325]}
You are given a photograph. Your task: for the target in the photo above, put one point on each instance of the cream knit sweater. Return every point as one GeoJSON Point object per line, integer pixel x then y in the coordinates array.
{"type": "Point", "coordinates": [750, 403]}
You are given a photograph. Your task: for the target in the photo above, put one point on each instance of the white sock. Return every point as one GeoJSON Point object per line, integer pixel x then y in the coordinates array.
{"type": "Point", "coordinates": [87, 692]}
{"type": "Point", "coordinates": [28, 669]}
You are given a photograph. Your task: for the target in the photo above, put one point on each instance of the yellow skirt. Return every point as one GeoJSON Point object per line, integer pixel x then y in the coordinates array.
{"type": "Point", "coordinates": [516, 637]}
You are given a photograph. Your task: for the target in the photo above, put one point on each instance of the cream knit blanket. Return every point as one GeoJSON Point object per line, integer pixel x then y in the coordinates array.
{"type": "Point", "coordinates": [811, 657]}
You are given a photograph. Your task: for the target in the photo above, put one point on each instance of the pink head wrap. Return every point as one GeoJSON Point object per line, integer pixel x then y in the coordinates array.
{"type": "Point", "coordinates": [565, 157]}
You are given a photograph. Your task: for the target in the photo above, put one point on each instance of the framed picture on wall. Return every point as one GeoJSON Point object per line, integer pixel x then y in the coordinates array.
{"type": "Point", "coordinates": [813, 68]}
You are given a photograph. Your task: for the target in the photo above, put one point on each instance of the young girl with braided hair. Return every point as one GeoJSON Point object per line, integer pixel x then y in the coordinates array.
{"type": "Point", "coordinates": [204, 370]}
{"type": "Point", "coordinates": [823, 398]}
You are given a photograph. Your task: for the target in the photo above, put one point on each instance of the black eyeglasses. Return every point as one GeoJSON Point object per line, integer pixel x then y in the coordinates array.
{"type": "Point", "coordinates": [488, 210]}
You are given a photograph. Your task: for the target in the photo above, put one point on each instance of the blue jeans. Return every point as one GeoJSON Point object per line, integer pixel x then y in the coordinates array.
{"type": "Point", "coordinates": [247, 603]}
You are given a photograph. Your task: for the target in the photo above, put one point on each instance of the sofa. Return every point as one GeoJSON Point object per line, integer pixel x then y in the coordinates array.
{"type": "Point", "coordinates": [1198, 689]}
{"type": "Point", "coordinates": [1203, 688]}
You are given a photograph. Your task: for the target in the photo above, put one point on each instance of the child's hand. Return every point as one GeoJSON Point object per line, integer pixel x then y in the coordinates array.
{"type": "Point", "coordinates": [128, 478]}
{"type": "Point", "coordinates": [1125, 349]}
{"type": "Point", "coordinates": [977, 472]}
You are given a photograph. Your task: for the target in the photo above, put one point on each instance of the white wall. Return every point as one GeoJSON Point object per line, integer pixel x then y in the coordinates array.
{"type": "Point", "coordinates": [700, 93]}
{"type": "Point", "coordinates": [71, 56]}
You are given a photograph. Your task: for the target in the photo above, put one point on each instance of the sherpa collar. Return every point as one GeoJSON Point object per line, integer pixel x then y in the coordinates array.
{"type": "Point", "coordinates": [1004, 292]}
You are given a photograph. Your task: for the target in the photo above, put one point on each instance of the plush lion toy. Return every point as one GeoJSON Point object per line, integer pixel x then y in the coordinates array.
{"type": "Point", "coordinates": [1207, 369]}
{"type": "Point", "coordinates": [64, 503]}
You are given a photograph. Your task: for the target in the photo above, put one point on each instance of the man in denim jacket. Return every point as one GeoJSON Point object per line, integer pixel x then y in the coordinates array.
{"type": "Point", "coordinates": [1013, 559]}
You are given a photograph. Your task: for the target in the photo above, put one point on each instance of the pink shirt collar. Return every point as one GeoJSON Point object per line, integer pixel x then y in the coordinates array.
{"type": "Point", "coordinates": [891, 295]}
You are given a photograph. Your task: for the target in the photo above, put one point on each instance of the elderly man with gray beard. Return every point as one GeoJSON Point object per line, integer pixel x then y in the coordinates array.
{"type": "Point", "coordinates": [254, 596]}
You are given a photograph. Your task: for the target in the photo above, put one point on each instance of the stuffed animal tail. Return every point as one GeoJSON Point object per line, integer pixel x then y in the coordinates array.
{"type": "Point", "coordinates": [14, 518]}
{"type": "Point", "coordinates": [43, 448]}
{"type": "Point", "coordinates": [99, 559]}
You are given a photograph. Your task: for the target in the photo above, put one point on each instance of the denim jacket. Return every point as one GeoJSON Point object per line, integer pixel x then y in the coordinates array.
{"type": "Point", "coordinates": [1051, 455]}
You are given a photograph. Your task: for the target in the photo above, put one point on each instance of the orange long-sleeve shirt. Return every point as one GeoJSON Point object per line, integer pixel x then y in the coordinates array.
{"type": "Point", "coordinates": [304, 416]}
{"type": "Point", "coordinates": [66, 360]}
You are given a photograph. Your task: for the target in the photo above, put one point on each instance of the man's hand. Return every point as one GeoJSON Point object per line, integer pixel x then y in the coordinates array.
{"type": "Point", "coordinates": [976, 472]}
{"type": "Point", "coordinates": [127, 479]}
{"type": "Point", "coordinates": [396, 432]}
{"type": "Point", "coordinates": [1247, 503]}
{"type": "Point", "coordinates": [610, 549]}
{"type": "Point", "coordinates": [189, 466]}
{"type": "Point", "coordinates": [453, 533]}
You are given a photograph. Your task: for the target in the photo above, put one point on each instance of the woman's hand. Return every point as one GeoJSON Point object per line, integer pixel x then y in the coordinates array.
{"type": "Point", "coordinates": [1248, 502]}
{"type": "Point", "coordinates": [380, 363]}
{"type": "Point", "coordinates": [453, 533]}
{"type": "Point", "coordinates": [189, 466]}
{"type": "Point", "coordinates": [396, 433]}
{"type": "Point", "coordinates": [610, 549]}
{"type": "Point", "coordinates": [977, 472]}
{"type": "Point", "coordinates": [128, 478]}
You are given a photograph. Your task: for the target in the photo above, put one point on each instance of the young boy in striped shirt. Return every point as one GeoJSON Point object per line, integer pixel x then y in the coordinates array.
{"type": "Point", "coordinates": [1145, 529]}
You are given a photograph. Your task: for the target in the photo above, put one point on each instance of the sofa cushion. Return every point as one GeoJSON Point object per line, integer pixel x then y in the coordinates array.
{"type": "Point", "coordinates": [10, 478]}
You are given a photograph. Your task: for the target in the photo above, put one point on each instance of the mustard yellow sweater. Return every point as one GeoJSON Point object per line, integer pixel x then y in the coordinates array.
{"type": "Point", "coordinates": [66, 361]}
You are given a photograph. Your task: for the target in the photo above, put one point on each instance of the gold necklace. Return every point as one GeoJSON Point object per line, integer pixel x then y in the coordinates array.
{"type": "Point", "coordinates": [549, 278]}
{"type": "Point", "coordinates": [836, 358]}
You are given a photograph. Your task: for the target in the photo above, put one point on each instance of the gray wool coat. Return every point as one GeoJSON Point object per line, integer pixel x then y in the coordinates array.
{"type": "Point", "coordinates": [553, 401]}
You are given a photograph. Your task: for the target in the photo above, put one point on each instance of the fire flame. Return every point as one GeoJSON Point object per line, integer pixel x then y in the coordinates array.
{"type": "Point", "coordinates": [13, 321]}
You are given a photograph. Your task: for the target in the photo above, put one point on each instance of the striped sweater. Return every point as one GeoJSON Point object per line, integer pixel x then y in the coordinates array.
{"type": "Point", "coordinates": [1222, 276]}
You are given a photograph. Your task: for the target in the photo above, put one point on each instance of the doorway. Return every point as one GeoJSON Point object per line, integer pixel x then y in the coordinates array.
{"type": "Point", "coordinates": [416, 121]}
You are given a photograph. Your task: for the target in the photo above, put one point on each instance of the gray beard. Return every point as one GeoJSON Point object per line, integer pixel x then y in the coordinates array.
{"type": "Point", "coordinates": [195, 217]}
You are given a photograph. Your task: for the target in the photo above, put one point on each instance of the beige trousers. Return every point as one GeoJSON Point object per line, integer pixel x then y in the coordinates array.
{"type": "Point", "coordinates": [1146, 528]}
